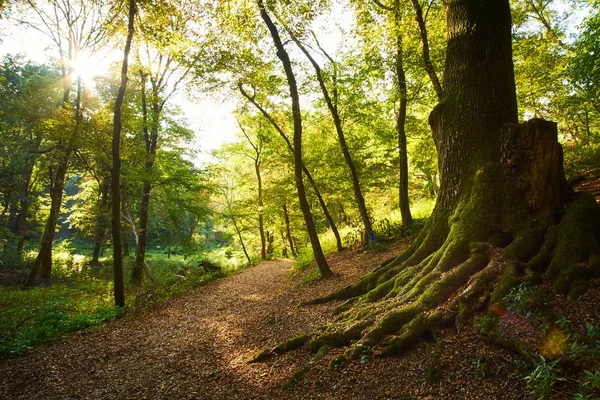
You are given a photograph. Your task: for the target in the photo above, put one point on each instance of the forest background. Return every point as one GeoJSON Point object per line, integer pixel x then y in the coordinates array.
{"type": "Point", "coordinates": [361, 70]}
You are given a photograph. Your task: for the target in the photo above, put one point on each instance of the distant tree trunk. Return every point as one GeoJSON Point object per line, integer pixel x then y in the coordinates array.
{"type": "Point", "coordinates": [125, 242]}
{"type": "Point", "coordinates": [333, 109]}
{"type": "Point", "coordinates": [261, 226]}
{"type": "Point", "coordinates": [21, 228]}
{"type": "Point", "coordinates": [101, 223]}
{"type": "Point", "coordinates": [115, 185]}
{"type": "Point", "coordinates": [169, 247]}
{"type": "Point", "coordinates": [288, 234]}
{"type": "Point", "coordinates": [257, 160]}
{"type": "Point", "coordinates": [43, 261]}
{"type": "Point", "coordinates": [151, 139]}
{"type": "Point", "coordinates": [237, 229]}
{"type": "Point", "coordinates": [330, 222]}
{"type": "Point", "coordinates": [284, 250]}
{"type": "Point", "coordinates": [304, 206]}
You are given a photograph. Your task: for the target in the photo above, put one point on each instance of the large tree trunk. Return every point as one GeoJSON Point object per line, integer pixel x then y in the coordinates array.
{"type": "Point", "coordinates": [115, 183]}
{"type": "Point", "coordinates": [504, 214]}
{"type": "Point", "coordinates": [298, 164]}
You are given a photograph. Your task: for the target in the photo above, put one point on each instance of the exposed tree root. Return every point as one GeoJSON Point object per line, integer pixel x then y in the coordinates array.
{"type": "Point", "coordinates": [529, 228]}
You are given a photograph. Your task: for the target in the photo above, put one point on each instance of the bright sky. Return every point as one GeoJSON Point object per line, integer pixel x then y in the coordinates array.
{"type": "Point", "coordinates": [211, 119]}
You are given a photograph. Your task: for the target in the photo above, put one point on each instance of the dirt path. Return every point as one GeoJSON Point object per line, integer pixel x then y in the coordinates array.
{"type": "Point", "coordinates": [195, 347]}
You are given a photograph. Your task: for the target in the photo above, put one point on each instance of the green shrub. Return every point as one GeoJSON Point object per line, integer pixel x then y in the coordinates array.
{"type": "Point", "coordinates": [543, 378]}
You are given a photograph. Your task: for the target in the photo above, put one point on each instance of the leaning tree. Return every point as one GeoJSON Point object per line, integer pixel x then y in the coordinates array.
{"type": "Point", "coordinates": [505, 212]}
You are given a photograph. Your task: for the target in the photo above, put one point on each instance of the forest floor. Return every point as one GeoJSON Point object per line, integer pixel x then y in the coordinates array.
{"type": "Point", "coordinates": [196, 347]}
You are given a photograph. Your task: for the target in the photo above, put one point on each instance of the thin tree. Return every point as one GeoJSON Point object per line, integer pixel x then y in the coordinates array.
{"type": "Point", "coordinates": [290, 147]}
{"type": "Point", "coordinates": [304, 206]}
{"type": "Point", "coordinates": [403, 198]}
{"type": "Point", "coordinates": [332, 105]}
{"type": "Point", "coordinates": [256, 158]}
{"type": "Point", "coordinates": [115, 183]}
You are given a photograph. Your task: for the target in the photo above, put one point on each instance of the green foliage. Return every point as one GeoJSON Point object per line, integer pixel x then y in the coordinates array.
{"type": "Point", "coordinates": [522, 298]}
{"type": "Point", "coordinates": [543, 378]}
{"type": "Point", "coordinates": [43, 314]}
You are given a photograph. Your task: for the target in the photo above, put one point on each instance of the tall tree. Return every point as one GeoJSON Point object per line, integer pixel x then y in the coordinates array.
{"type": "Point", "coordinates": [307, 173]}
{"type": "Point", "coordinates": [115, 184]}
{"type": "Point", "coordinates": [74, 28]}
{"type": "Point", "coordinates": [308, 218]}
{"type": "Point", "coordinates": [504, 212]}
{"type": "Point", "coordinates": [332, 105]}
{"type": "Point", "coordinates": [163, 52]}
{"type": "Point", "coordinates": [256, 158]}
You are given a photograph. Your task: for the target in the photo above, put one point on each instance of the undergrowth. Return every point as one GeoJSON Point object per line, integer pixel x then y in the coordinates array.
{"type": "Point", "coordinates": [81, 294]}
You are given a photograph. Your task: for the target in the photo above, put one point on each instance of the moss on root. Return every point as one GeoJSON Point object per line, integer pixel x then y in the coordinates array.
{"type": "Point", "coordinates": [577, 246]}
{"type": "Point", "coordinates": [296, 376]}
{"type": "Point", "coordinates": [461, 262]}
{"type": "Point", "coordinates": [284, 347]}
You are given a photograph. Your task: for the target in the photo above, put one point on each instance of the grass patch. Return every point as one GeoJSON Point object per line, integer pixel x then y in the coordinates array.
{"type": "Point", "coordinates": [44, 314]}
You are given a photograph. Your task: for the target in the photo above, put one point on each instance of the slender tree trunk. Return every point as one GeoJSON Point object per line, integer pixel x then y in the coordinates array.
{"type": "Point", "coordinates": [43, 261]}
{"type": "Point", "coordinates": [21, 229]}
{"type": "Point", "coordinates": [115, 185]}
{"type": "Point", "coordinates": [125, 242]}
{"type": "Point", "coordinates": [328, 217]}
{"type": "Point", "coordinates": [151, 144]}
{"type": "Point", "coordinates": [261, 226]}
{"type": "Point", "coordinates": [239, 233]}
{"type": "Point", "coordinates": [288, 234]}
{"type": "Point", "coordinates": [333, 109]}
{"type": "Point", "coordinates": [169, 247]}
{"type": "Point", "coordinates": [308, 219]}
{"type": "Point", "coordinates": [101, 223]}
{"type": "Point", "coordinates": [425, 49]}
{"type": "Point", "coordinates": [140, 252]}
{"type": "Point", "coordinates": [400, 127]}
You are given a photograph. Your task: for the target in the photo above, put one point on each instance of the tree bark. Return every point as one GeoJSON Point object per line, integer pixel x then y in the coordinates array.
{"type": "Point", "coordinates": [403, 200]}
{"type": "Point", "coordinates": [239, 233]}
{"type": "Point", "coordinates": [125, 242]}
{"type": "Point", "coordinates": [115, 185]}
{"type": "Point", "coordinates": [288, 234]}
{"type": "Point", "coordinates": [21, 229]}
{"type": "Point", "coordinates": [308, 219]}
{"type": "Point", "coordinates": [151, 139]}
